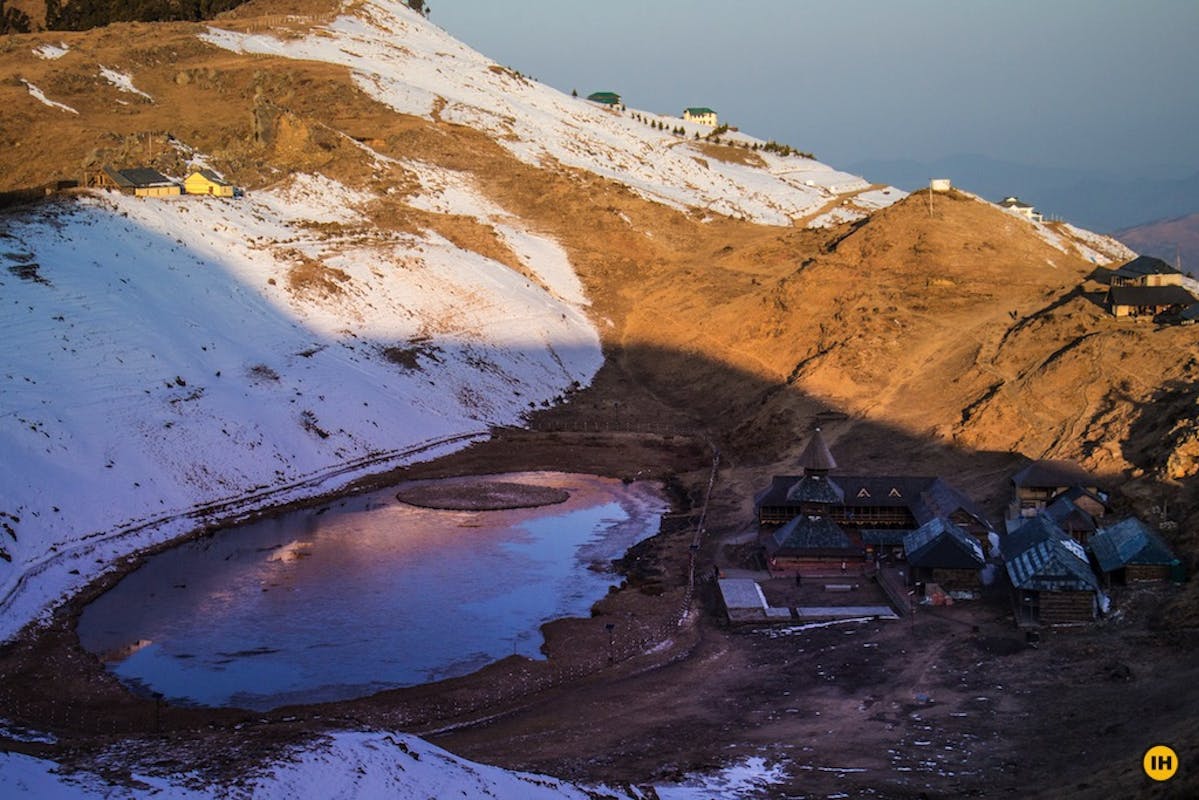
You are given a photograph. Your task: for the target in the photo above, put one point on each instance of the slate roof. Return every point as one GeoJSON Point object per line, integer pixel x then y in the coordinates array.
{"type": "Point", "coordinates": [138, 177]}
{"type": "Point", "coordinates": [1146, 265]}
{"type": "Point", "coordinates": [816, 457]}
{"type": "Point", "coordinates": [1066, 514]}
{"type": "Point", "coordinates": [806, 533]}
{"type": "Point", "coordinates": [883, 536]}
{"type": "Point", "coordinates": [942, 499]}
{"type": "Point", "coordinates": [940, 544]}
{"type": "Point", "coordinates": [816, 489]}
{"type": "Point", "coordinates": [925, 498]}
{"type": "Point", "coordinates": [1051, 473]}
{"type": "Point", "coordinates": [1056, 565]}
{"type": "Point", "coordinates": [883, 490]}
{"type": "Point", "coordinates": [607, 98]}
{"type": "Point", "coordinates": [1129, 541]}
{"type": "Point", "coordinates": [698, 112]}
{"type": "Point", "coordinates": [1038, 529]}
{"type": "Point", "coordinates": [1149, 296]}
{"type": "Point", "coordinates": [1013, 202]}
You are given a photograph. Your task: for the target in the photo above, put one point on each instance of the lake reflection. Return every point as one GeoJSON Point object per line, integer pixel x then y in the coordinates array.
{"type": "Point", "coordinates": [365, 595]}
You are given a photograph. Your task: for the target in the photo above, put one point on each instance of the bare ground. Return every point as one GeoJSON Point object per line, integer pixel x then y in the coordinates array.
{"type": "Point", "coordinates": [952, 704]}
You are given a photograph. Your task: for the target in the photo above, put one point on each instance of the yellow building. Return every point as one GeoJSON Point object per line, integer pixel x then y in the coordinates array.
{"type": "Point", "coordinates": [702, 116]}
{"type": "Point", "coordinates": [205, 181]}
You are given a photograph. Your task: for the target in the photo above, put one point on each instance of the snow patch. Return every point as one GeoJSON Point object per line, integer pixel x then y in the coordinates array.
{"type": "Point", "coordinates": [346, 765]}
{"type": "Point", "coordinates": [402, 60]}
{"type": "Point", "coordinates": [51, 52]}
{"type": "Point", "coordinates": [743, 779]}
{"type": "Point", "coordinates": [122, 81]}
{"type": "Point", "coordinates": [41, 97]}
{"type": "Point", "coordinates": [252, 351]}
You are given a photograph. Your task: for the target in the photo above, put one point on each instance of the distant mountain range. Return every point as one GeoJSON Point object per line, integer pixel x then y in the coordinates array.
{"type": "Point", "coordinates": [1092, 199]}
{"type": "Point", "coordinates": [1173, 240]}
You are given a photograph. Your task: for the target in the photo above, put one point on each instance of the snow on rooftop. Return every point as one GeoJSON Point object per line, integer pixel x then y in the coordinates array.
{"type": "Point", "coordinates": [122, 81]}
{"type": "Point", "coordinates": [41, 97]}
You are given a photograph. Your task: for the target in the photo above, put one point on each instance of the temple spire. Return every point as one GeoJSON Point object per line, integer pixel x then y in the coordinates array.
{"type": "Point", "coordinates": [816, 458]}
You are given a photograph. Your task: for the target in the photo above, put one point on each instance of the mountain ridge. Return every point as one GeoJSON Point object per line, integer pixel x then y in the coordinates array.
{"type": "Point", "coordinates": [1102, 201]}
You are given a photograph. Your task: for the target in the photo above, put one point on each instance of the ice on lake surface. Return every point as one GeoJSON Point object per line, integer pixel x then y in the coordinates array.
{"type": "Point", "coordinates": [363, 595]}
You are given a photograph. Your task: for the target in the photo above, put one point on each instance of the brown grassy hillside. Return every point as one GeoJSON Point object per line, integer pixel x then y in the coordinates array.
{"type": "Point", "coordinates": [956, 327]}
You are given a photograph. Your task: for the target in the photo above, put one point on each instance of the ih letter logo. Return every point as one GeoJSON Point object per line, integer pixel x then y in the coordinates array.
{"type": "Point", "coordinates": [1160, 763]}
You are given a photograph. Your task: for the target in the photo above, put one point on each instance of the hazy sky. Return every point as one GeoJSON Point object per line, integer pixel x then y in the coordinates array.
{"type": "Point", "coordinates": [1093, 84]}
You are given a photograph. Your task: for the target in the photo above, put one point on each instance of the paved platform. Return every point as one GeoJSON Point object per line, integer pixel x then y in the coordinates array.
{"type": "Point", "coordinates": [845, 612]}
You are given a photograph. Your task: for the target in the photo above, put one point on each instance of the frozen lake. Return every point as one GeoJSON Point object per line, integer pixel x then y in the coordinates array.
{"type": "Point", "coordinates": [362, 595]}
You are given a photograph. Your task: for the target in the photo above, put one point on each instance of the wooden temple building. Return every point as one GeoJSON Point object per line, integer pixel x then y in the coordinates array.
{"type": "Point", "coordinates": [817, 523]}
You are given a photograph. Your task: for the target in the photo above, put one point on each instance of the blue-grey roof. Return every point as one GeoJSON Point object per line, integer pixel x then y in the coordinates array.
{"type": "Point", "coordinates": [138, 177]}
{"type": "Point", "coordinates": [1129, 541]}
{"type": "Point", "coordinates": [1053, 474]}
{"type": "Point", "coordinates": [815, 489]}
{"type": "Point", "coordinates": [1147, 265]}
{"type": "Point", "coordinates": [1149, 296]}
{"type": "Point", "coordinates": [941, 544]}
{"type": "Point", "coordinates": [1066, 514]}
{"type": "Point", "coordinates": [1054, 565]}
{"type": "Point", "coordinates": [941, 499]}
{"type": "Point", "coordinates": [816, 457]}
{"type": "Point", "coordinates": [884, 536]}
{"type": "Point", "coordinates": [1036, 530]}
{"type": "Point", "coordinates": [809, 533]}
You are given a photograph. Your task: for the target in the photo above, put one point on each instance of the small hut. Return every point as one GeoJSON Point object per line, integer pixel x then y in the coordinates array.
{"type": "Point", "coordinates": [1035, 486]}
{"type": "Point", "coordinates": [1130, 551]}
{"type": "Point", "coordinates": [137, 181]}
{"type": "Point", "coordinates": [940, 552]}
{"type": "Point", "coordinates": [205, 181]}
{"type": "Point", "coordinates": [1146, 271]}
{"type": "Point", "coordinates": [609, 99]}
{"type": "Point", "coordinates": [1073, 516]}
{"type": "Point", "coordinates": [1053, 584]}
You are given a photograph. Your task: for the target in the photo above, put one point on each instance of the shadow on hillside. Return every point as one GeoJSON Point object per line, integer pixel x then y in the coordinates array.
{"type": "Point", "coordinates": [759, 424]}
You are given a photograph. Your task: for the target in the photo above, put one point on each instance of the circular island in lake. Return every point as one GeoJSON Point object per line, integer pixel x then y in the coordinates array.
{"type": "Point", "coordinates": [480, 495]}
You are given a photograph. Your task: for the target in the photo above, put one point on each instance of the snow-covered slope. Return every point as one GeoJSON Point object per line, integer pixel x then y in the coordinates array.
{"type": "Point", "coordinates": [163, 355]}
{"type": "Point", "coordinates": [175, 361]}
{"type": "Point", "coordinates": [404, 61]}
{"type": "Point", "coordinates": [342, 765]}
